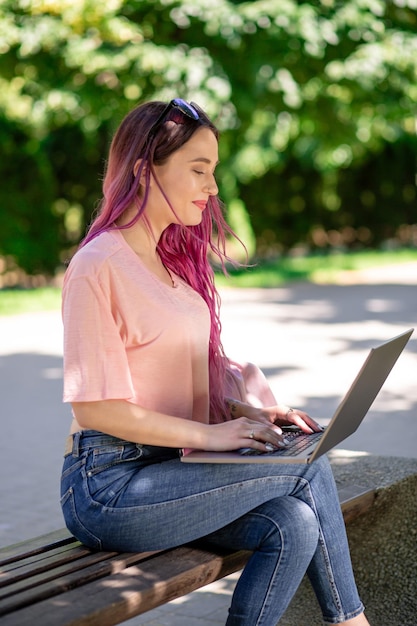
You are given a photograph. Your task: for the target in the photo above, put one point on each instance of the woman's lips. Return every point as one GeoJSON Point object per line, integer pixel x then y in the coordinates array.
{"type": "Point", "coordinates": [202, 204]}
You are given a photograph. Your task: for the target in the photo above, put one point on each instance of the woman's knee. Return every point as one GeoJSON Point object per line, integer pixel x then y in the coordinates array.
{"type": "Point", "coordinates": [294, 520]}
{"type": "Point", "coordinates": [302, 524]}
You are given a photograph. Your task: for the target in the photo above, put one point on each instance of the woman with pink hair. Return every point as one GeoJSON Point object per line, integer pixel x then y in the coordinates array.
{"type": "Point", "coordinates": [146, 376]}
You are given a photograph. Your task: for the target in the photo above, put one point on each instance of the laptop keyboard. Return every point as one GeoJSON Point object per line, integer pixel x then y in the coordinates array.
{"type": "Point", "coordinates": [298, 442]}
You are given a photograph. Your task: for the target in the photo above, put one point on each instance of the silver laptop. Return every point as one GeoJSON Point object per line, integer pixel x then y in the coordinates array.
{"type": "Point", "coordinates": [351, 411]}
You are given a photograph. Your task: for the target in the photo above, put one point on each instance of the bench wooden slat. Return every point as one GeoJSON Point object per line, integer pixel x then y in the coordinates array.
{"type": "Point", "coordinates": [37, 545]}
{"type": "Point", "coordinates": [52, 569]}
{"type": "Point", "coordinates": [61, 579]}
{"type": "Point", "coordinates": [355, 500]}
{"type": "Point", "coordinates": [38, 563]}
{"type": "Point", "coordinates": [137, 589]}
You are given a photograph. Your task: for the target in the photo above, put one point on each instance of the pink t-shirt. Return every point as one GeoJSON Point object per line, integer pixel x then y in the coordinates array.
{"type": "Point", "coordinates": [128, 335]}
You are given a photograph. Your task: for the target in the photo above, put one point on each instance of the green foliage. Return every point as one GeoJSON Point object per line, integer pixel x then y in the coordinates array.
{"type": "Point", "coordinates": [316, 101]}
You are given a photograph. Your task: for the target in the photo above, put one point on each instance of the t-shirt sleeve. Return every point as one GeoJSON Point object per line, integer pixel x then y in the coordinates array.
{"type": "Point", "coordinates": [95, 361]}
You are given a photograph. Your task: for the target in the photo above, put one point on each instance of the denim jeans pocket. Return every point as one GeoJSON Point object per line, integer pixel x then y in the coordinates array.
{"type": "Point", "coordinates": [74, 523]}
{"type": "Point", "coordinates": [104, 457]}
{"type": "Point", "coordinates": [109, 469]}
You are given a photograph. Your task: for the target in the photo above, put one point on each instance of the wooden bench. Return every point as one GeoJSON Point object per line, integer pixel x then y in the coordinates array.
{"type": "Point", "coordinates": [53, 580]}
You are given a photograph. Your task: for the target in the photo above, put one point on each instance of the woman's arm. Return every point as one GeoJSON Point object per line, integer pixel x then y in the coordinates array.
{"type": "Point", "coordinates": [131, 422]}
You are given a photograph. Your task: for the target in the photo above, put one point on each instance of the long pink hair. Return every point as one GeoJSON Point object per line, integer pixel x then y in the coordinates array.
{"type": "Point", "coordinates": [183, 249]}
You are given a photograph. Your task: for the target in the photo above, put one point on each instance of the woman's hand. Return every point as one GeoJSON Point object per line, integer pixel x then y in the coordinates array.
{"type": "Point", "coordinates": [280, 415]}
{"type": "Point", "coordinates": [244, 432]}
{"type": "Point", "coordinates": [294, 417]}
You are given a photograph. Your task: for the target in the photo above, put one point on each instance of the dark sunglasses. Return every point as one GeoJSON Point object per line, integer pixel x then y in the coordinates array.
{"type": "Point", "coordinates": [180, 105]}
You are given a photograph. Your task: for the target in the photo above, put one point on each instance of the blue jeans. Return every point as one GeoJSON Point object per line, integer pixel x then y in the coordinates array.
{"type": "Point", "coordinates": [126, 497]}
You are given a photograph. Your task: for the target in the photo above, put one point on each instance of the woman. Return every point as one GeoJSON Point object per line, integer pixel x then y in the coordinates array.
{"type": "Point", "coordinates": [146, 377]}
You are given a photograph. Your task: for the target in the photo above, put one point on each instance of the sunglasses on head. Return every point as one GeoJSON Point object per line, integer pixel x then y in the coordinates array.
{"type": "Point", "coordinates": [180, 105]}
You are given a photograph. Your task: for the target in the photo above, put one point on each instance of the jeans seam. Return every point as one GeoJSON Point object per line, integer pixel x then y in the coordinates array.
{"type": "Point", "coordinates": [343, 617]}
{"type": "Point", "coordinates": [324, 551]}
{"type": "Point", "coordinates": [196, 496]}
{"type": "Point", "coordinates": [270, 585]}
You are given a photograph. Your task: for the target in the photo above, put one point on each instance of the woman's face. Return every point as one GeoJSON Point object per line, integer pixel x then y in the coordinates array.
{"type": "Point", "coordinates": [187, 179]}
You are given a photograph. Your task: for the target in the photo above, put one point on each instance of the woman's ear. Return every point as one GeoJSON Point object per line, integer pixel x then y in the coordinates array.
{"type": "Point", "coordinates": [136, 168]}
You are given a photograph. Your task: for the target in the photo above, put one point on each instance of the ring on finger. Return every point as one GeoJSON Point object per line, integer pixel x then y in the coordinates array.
{"type": "Point", "coordinates": [252, 434]}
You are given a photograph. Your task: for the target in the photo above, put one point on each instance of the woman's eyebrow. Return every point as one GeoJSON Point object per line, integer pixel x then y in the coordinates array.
{"type": "Point", "coordinates": [202, 160]}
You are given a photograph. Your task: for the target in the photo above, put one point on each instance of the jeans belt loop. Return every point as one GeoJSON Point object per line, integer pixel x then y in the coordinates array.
{"type": "Point", "coordinates": [76, 444]}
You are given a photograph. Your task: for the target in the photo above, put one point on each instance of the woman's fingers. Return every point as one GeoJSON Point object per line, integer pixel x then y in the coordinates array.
{"type": "Point", "coordinates": [262, 436]}
{"type": "Point", "coordinates": [301, 419]}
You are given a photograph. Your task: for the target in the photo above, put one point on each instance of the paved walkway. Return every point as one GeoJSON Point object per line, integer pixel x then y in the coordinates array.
{"type": "Point", "coordinates": [309, 339]}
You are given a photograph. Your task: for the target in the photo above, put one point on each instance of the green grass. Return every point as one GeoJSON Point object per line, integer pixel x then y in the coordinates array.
{"type": "Point", "coordinates": [314, 268]}
{"type": "Point", "coordinates": [14, 301]}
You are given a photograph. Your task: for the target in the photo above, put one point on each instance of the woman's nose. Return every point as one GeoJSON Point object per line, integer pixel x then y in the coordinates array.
{"type": "Point", "coordinates": [211, 186]}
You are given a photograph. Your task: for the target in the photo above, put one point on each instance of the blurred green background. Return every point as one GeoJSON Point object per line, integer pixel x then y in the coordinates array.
{"type": "Point", "coordinates": [316, 102]}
